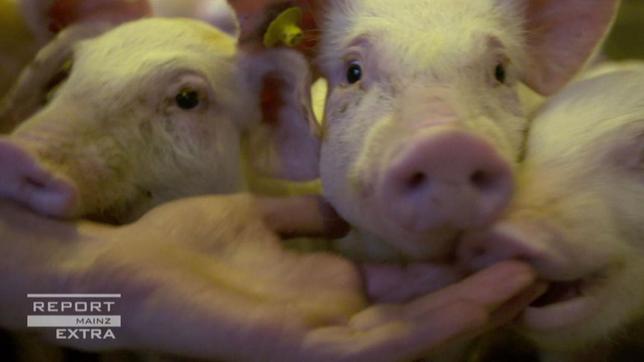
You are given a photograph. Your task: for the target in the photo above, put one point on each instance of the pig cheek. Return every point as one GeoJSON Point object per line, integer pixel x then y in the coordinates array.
{"type": "Point", "coordinates": [225, 155]}
{"type": "Point", "coordinates": [579, 229]}
{"type": "Point", "coordinates": [342, 104]}
{"type": "Point", "coordinates": [335, 159]}
{"type": "Point", "coordinates": [206, 143]}
{"type": "Point", "coordinates": [92, 165]}
{"type": "Point", "coordinates": [592, 226]}
{"type": "Point", "coordinates": [358, 142]}
{"type": "Point", "coordinates": [503, 122]}
{"type": "Point", "coordinates": [189, 132]}
{"type": "Point", "coordinates": [98, 166]}
{"type": "Point", "coordinates": [515, 120]}
{"type": "Point", "coordinates": [343, 153]}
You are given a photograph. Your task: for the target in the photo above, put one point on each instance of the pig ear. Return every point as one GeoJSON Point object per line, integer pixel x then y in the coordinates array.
{"type": "Point", "coordinates": [30, 92]}
{"type": "Point", "coordinates": [215, 12]}
{"type": "Point", "coordinates": [24, 180]}
{"type": "Point", "coordinates": [562, 37]}
{"type": "Point", "coordinates": [286, 143]}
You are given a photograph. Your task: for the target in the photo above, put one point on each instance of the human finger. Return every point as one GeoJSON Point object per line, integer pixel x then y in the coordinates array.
{"type": "Point", "coordinates": [490, 288]}
{"type": "Point", "coordinates": [302, 216]}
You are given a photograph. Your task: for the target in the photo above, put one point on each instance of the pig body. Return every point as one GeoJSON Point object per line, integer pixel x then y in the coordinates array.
{"type": "Point", "coordinates": [150, 111]}
{"type": "Point", "coordinates": [578, 218]}
{"type": "Point", "coordinates": [425, 121]}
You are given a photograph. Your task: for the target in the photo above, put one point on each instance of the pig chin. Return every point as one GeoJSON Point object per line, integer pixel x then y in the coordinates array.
{"type": "Point", "coordinates": [427, 239]}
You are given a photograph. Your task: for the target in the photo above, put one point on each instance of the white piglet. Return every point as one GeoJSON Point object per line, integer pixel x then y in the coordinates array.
{"type": "Point", "coordinates": [424, 121]}
{"type": "Point", "coordinates": [578, 218]}
{"type": "Point", "coordinates": [107, 123]}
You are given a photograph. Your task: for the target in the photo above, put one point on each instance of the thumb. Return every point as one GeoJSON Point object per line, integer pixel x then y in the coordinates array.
{"type": "Point", "coordinates": [301, 217]}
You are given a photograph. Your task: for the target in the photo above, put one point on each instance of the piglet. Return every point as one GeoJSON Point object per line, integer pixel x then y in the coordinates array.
{"type": "Point", "coordinates": [577, 218]}
{"type": "Point", "coordinates": [109, 122]}
{"type": "Point", "coordinates": [424, 120]}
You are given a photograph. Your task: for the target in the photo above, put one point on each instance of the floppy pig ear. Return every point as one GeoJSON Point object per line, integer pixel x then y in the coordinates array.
{"type": "Point", "coordinates": [562, 36]}
{"type": "Point", "coordinates": [49, 68]}
{"type": "Point", "coordinates": [48, 17]}
{"type": "Point", "coordinates": [286, 143]}
{"type": "Point", "coordinates": [215, 12]}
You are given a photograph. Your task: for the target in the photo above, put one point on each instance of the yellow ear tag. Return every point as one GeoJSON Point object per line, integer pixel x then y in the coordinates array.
{"type": "Point", "coordinates": [285, 29]}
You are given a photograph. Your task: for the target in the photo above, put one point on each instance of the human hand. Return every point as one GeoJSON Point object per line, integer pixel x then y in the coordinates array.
{"type": "Point", "coordinates": [207, 278]}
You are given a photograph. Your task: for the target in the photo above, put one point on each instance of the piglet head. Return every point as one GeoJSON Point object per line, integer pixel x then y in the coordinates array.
{"type": "Point", "coordinates": [154, 110]}
{"type": "Point", "coordinates": [577, 217]}
{"type": "Point", "coordinates": [424, 126]}
{"type": "Point", "coordinates": [145, 112]}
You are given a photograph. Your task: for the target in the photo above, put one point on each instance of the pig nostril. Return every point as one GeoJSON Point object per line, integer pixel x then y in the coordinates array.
{"type": "Point", "coordinates": [416, 181]}
{"type": "Point", "coordinates": [34, 184]}
{"type": "Point", "coordinates": [482, 180]}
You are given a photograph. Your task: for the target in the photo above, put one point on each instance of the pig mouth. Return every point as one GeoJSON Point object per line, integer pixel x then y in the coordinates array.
{"type": "Point", "coordinates": [563, 304]}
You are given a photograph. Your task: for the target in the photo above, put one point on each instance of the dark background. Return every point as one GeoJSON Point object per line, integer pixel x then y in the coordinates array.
{"type": "Point", "coordinates": [627, 38]}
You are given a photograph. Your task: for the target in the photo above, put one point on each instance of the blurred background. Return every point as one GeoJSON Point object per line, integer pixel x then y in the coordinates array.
{"type": "Point", "coordinates": [625, 42]}
{"type": "Point", "coordinates": [627, 39]}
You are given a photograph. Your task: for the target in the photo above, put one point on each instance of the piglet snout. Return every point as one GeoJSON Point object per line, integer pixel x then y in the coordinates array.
{"type": "Point", "coordinates": [446, 178]}
{"type": "Point", "coordinates": [26, 180]}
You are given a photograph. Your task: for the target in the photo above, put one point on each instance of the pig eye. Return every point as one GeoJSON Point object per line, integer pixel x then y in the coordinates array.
{"type": "Point", "coordinates": [500, 73]}
{"type": "Point", "coordinates": [187, 99]}
{"type": "Point", "coordinates": [57, 80]}
{"type": "Point", "coordinates": [354, 73]}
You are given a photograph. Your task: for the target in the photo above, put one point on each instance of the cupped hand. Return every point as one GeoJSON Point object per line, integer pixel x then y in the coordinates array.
{"type": "Point", "coordinates": [207, 277]}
